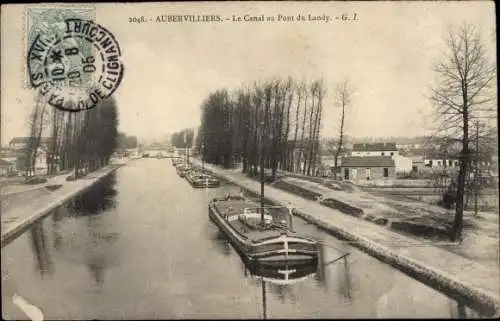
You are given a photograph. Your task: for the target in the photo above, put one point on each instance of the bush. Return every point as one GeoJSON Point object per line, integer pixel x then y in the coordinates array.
{"type": "Point", "coordinates": [421, 229]}
{"type": "Point", "coordinates": [35, 180]}
{"type": "Point", "coordinates": [11, 174]}
{"type": "Point", "coordinates": [297, 190]}
{"type": "Point", "coordinates": [381, 221]}
{"type": "Point", "coordinates": [268, 178]}
{"type": "Point", "coordinates": [448, 200]}
{"type": "Point", "coordinates": [53, 187]}
{"type": "Point", "coordinates": [343, 207]}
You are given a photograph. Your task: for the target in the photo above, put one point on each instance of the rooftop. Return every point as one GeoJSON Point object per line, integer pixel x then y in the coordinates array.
{"type": "Point", "coordinates": [374, 147]}
{"type": "Point", "coordinates": [368, 161]}
{"type": "Point", "coordinates": [4, 162]}
{"type": "Point", "coordinates": [429, 153]}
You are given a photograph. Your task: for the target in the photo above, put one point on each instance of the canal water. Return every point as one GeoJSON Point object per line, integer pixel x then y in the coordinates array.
{"type": "Point", "coordinates": [139, 245]}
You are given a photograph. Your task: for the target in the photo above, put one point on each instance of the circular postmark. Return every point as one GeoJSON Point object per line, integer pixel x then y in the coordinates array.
{"type": "Point", "coordinates": [76, 66]}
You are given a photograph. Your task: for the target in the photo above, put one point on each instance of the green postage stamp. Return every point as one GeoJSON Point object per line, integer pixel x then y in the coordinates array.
{"type": "Point", "coordinates": [72, 61]}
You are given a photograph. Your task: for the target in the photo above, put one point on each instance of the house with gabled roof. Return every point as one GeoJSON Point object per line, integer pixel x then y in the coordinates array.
{"type": "Point", "coordinates": [402, 163]}
{"type": "Point", "coordinates": [375, 149]}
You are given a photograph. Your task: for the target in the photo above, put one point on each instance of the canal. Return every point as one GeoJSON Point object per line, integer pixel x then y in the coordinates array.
{"type": "Point", "coordinates": [139, 245]}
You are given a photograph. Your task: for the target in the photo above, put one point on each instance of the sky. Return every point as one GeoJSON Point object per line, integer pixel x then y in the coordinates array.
{"type": "Point", "coordinates": [386, 54]}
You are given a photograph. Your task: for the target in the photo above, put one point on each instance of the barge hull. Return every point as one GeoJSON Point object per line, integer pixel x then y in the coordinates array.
{"type": "Point", "coordinates": [251, 253]}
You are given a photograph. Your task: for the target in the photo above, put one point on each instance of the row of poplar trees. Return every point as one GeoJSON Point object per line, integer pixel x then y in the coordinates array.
{"type": "Point", "coordinates": [83, 141]}
{"type": "Point", "coordinates": [279, 119]}
{"type": "Point", "coordinates": [183, 138]}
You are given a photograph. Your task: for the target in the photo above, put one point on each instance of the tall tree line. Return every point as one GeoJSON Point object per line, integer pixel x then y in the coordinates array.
{"type": "Point", "coordinates": [125, 141]}
{"type": "Point", "coordinates": [279, 119]}
{"type": "Point", "coordinates": [83, 141]}
{"type": "Point", "coordinates": [183, 138]}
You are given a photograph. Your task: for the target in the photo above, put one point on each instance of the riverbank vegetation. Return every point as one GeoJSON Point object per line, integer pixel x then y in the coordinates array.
{"type": "Point", "coordinates": [83, 141]}
{"type": "Point", "coordinates": [183, 138]}
{"type": "Point", "coordinates": [279, 119]}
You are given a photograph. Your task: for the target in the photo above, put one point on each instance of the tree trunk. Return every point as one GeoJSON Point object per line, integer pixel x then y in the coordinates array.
{"type": "Point", "coordinates": [341, 140]}
{"type": "Point", "coordinates": [462, 174]}
{"type": "Point", "coordinates": [302, 142]}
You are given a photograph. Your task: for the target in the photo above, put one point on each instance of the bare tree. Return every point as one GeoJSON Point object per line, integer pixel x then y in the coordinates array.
{"type": "Point", "coordinates": [235, 127]}
{"type": "Point", "coordinates": [38, 123]}
{"type": "Point", "coordinates": [299, 91]}
{"type": "Point", "coordinates": [320, 95]}
{"type": "Point", "coordinates": [462, 93]}
{"type": "Point", "coordinates": [343, 100]}
{"type": "Point", "coordinates": [286, 157]}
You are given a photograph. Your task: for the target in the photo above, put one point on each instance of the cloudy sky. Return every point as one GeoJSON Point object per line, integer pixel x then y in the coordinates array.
{"type": "Point", "coordinates": [387, 55]}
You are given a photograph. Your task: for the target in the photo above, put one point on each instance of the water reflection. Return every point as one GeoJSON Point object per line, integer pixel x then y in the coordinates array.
{"type": "Point", "coordinates": [278, 279]}
{"type": "Point", "coordinates": [346, 286]}
{"type": "Point", "coordinates": [99, 248]}
{"type": "Point", "coordinates": [57, 216]}
{"type": "Point", "coordinates": [99, 198]}
{"type": "Point", "coordinates": [221, 242]}
{"type": "Point", "coordinates": [82, 231]}
{"type": "Point", "coordinates": [287, 283]}
{"type": "Point", "coordinates": [39, 246]}
{"type": "Point", "coordinates": [335, 261]}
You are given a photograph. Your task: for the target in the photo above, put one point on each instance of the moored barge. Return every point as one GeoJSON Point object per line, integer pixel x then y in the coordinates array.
{"type": "Point", "coordinates": [262, 234]}
{"type": "Point", "coordinates": [201, 180]}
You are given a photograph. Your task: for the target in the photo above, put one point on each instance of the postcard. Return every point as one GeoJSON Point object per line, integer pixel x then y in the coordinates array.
{"type": "Point", "coordinates": [249, 160]}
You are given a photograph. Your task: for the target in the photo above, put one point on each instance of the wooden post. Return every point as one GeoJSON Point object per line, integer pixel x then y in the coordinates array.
{"type": "Point", "coordinates": [264, 300]}
{"type": "Point", "coordinates": [203, 157]}
{"type": "Point", "coordinates": [290, 215]}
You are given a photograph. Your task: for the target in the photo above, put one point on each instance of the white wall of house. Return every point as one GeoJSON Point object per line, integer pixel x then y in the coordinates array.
{"type": "Point", "coordinates": [6, 169]}
{"type": "Point", "coordinates": [329, 161]}
{"type": "Point", "coordinates": [408, 146]}
{"type": "Point", "coordinates": [403, 163]}
{"type": "Point", "coordinates": [17, 146]}
{"type": "Point", "coordinates": [440, 163]}
{"type": "Point", "coordinates": [12, 160]}
{"type": "Point", "coordinates": [375, 153]}
{"type": "Point", "coordinates": [41, 165]}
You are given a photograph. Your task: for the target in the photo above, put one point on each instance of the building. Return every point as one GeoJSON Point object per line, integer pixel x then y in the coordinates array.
{"type": "Point", "coordinates": [329, 160]}
{"type": "Point", "coordinates": [376, 149]}
{"type": "Point", "coordinates": [369, 169]}
{"type": "Point", "coordinates": [7, 167]}
{"type": "Point", "coordinates": [406, 143]}
{"type": "Point", "coordinates": [403, 164]}
{"type": "Point", "coordinates": [18, 143]}
{"type": "Point", "coordinates": [41, 161]}
{"type": "Point", "coordinates": [417, 163]}
{"type": "Point", "coordinates": [440, 162]}
{"type": "Point", "coordinates": [432, 158]}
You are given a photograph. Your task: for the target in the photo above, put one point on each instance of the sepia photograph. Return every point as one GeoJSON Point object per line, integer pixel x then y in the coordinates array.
{"type": "Point", "coordinates": [249, 160]}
